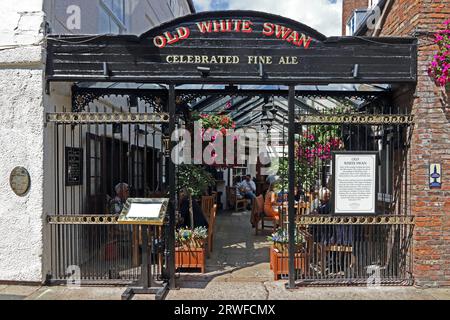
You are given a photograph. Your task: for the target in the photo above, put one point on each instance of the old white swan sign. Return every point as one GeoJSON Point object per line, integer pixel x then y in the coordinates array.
{"type": "Point", "coordinates": [354, 182]}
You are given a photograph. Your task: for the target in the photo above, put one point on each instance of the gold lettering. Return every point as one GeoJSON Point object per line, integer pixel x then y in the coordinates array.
{"type": "Point", "coordinates": [288, 60]}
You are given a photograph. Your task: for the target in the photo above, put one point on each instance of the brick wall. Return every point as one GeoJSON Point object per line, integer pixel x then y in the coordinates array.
{"type": "Point", "coordinates": [348, 6]}
{"type": "Point", "coordinates": [430, 142]}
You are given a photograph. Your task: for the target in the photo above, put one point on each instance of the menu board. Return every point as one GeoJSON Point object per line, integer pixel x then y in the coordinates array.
{"type": "Point", "coordinates": [354, 182]}
{"type": "Point", "coordinates": [144, 211]}
{"type": "Point", "coordinates": [74, 166]}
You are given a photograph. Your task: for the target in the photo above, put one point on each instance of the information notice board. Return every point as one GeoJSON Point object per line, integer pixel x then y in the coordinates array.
{"type": "Point", "coordinates": [355, 182]}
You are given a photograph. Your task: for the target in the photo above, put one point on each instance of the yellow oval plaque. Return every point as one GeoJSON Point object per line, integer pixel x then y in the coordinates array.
{"type": "Point", "coordinates": [19, 180]}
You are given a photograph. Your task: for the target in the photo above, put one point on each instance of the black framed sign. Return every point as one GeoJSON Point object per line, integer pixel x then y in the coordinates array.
{"type": "Point", "coordinates": [355, 182]}
{"type": "Point", "coordinates": [232, 47]}
{"type": "Point", "coordinates": [74, 166]}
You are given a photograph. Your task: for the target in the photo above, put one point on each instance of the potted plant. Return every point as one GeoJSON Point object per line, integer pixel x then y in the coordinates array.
{"type": "Point", "coordinates": [279, 253]}
{"type": "Point", "coordinates": [195, 181]}
{"type": "Point", "coordinates": [190, 248]}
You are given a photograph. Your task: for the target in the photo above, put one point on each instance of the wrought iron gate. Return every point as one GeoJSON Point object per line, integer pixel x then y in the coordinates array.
{"type": "Point", "coordinates": [95, 150]}
{"type": "Point", "coordinates": [353, 249]}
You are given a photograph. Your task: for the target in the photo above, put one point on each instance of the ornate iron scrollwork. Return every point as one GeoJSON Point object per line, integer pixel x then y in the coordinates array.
{"type": "Point", "coordinates": [92, 118]}
{"type": "Point", "coordinates": [370, 119]}
{"type": "Point", "coordinates": [82, 219]}
{"type": "Point", "coordinates": [354, 220]}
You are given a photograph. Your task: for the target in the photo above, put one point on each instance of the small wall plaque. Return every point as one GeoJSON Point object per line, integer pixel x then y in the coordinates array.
{"type": "Point", "coordinates": [19, 180]}
{"type": "Point", "coordinates": [74, 166]}
{"type": "Point", "coordinates": [435, 175]}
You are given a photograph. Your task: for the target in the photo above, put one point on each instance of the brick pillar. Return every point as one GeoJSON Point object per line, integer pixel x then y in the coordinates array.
{"type": "Point", "coordinates": [430, 144]}
{"type": "Point", "coordinates": [348, 6]}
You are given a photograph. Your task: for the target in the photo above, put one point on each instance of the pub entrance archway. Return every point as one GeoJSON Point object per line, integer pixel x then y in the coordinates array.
{"type": "Point", "coordinates": [229, 48]}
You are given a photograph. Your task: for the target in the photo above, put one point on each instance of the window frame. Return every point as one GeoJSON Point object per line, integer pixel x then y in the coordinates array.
{"type": "Point", "coordinates": [120, 24]}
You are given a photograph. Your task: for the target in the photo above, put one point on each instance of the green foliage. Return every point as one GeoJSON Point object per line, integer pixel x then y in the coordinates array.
{"type": "Point", "coordinates": [281, 236]}
{"type": "Point", "coordinates": [189, 237]}
{"type": "Point", "coordinates": [194, 179]}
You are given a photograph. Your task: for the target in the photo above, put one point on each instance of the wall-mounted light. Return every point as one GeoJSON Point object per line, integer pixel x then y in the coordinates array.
{"type": "Point", "coordinates": [356, 71]}
{"type": "Point", "coordinates": [204, 71]}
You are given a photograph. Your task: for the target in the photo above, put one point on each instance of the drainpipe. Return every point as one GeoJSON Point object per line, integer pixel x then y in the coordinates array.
{"type": "Point", "coordinates": [380, 22]}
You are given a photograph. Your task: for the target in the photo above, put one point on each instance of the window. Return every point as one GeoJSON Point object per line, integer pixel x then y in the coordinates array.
{"type": "Point", "coordinates": [373, 3]}
{"type": "Point", "coordinates": [112, 16]}
{"type": "Point", "coordinates": [351, 26]}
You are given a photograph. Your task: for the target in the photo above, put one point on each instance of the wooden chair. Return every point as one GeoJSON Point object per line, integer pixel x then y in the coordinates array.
{"type": "Point", "coordinates": [233, 200]}
{"type": "Point", "coordinates": [259, 208]}
{"type": "Point", "coordinates": [207, 204]}
{"type": "Point", "coordinates": [211, 226]}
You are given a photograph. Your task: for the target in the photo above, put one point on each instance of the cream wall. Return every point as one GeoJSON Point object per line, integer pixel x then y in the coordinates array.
{"type": "Point", "coordinates": [21, 138]}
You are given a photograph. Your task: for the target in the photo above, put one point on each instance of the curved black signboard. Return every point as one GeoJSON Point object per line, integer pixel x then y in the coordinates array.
{"type": "Point", "coordinates": [233, 46]}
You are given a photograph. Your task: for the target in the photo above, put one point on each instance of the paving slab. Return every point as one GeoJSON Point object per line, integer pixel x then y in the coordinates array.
{"type": "Point", "coordinates": [18, 290]}
{"type": "Point", "coordinates": [82, 293]}
{"type": "Point", "coordinates": [220, 291]}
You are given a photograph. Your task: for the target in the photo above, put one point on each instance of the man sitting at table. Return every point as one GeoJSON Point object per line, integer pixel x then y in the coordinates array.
{"type": "Point", "coordinates": [324, 198]}
{"type": "Point", "coordinates": [249, 187]}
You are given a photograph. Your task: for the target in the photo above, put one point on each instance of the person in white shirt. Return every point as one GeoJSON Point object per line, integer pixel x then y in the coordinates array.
{"type": "Point", "coordinates": [249, 187]}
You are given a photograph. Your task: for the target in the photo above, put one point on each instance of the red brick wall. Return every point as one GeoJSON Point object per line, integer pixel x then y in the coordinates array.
{"type": "Point", "coordinates": [348, 6]}
{"type": "Point", "coordinates": [430, 142]}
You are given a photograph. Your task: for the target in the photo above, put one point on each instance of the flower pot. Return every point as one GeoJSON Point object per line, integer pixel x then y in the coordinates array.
{"type": "Point", "coordinates": [190, 258]}
{"type": "Point", "coordinates": [279, 262]}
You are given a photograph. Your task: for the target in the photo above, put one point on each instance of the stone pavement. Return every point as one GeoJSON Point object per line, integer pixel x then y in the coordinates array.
{"type": "Point", "coordinates": [237, 269]}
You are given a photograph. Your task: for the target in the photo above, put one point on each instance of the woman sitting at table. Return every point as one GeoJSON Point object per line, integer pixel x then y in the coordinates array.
{"type": "Point", "coordinates": [270, 202]}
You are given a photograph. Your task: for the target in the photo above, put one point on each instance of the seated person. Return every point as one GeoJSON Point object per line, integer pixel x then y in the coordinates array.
{"type": "Point", "coordinates": [239, 188]}
{"type": "Point", "coordinates": [122, 193]}
{"type": "Point", "coordinates": [199, 218]}
{"type": "Point", "coordinates": [249, 187]}
{"type": "Point", "coordinates": [314, 199]}
{"type": "Point", "coordinates": [270, 204]}
{"type": "Point", "coordinates": [324, 202]}
{"type": "Point", "coordinates": [338, 234]}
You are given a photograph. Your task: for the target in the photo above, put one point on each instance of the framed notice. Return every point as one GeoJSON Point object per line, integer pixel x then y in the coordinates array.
{"type": "Point", "coordinates": [144, 211]}
{"type": "Point", "coordinates": [354, 182]}
{"type": "Point", "coordinates": [74, 166]}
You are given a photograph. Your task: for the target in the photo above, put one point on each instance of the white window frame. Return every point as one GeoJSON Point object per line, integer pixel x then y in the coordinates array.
{"type": "Point", "coordinates": [118, 21]}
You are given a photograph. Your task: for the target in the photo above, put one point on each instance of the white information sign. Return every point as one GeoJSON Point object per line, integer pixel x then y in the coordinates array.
{"type": "Point", "coordinates": [144, 210]}
{"type": "Point", "coordinates": [354, 183]}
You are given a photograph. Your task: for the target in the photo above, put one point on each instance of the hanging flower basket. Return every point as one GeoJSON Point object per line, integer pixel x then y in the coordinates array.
{"type": "Point", "coordinates": [440, 65]}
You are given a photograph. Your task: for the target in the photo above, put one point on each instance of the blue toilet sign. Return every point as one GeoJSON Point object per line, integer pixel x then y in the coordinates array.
{"type": "Point", "coordinates": [435, 175]}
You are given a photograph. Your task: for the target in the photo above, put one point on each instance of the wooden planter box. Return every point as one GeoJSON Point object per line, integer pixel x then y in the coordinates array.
{"type": "Point", "coordinates": [190, 258]}
{"type": "Point", "coordinates": [279, 262]}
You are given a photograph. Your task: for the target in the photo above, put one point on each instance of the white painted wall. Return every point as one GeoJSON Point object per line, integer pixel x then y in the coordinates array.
{"type": "Point", "coordinates": [21, 138]}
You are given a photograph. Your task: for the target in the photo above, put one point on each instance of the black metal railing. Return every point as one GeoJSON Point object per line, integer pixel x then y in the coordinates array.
{"type": "Point", "coordinates": [96, 250]}
{"type": "Point", "coordinates": [354, 250]}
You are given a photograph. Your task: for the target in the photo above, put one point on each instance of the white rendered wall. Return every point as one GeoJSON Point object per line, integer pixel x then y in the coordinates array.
{"type": "Point", "coordinates": [21, 139]}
